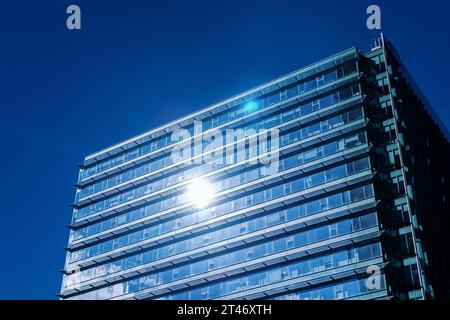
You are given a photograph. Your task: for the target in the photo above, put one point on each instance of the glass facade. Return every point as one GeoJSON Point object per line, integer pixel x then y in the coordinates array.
{"type": "Point", "coordinates": [310, 230]}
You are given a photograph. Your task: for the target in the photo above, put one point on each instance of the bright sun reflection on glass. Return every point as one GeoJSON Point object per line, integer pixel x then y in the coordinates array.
{"type": "Point", "coordinates": [250, 106]}
{"type": "Point", "coordinates": [200, 192]}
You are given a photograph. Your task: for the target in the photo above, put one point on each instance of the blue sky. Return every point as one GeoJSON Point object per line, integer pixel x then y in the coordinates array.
{"type": "Point", "coordinates": [138, 64]}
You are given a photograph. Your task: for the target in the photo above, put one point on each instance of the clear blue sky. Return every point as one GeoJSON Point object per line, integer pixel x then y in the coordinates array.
{"type": "Point", "coordinates": [138, 64]}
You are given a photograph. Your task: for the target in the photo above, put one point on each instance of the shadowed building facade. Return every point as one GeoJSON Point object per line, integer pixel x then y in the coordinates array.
{"type": "Point", "coordinates": [358, 208]}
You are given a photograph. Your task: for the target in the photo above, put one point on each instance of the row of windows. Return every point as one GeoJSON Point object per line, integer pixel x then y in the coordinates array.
{"type": "Point", "coordinates": [285, 272]}
{"type": "Point", "coordinates": [286, 163]}
{"type": "Point", "coordinates": [262, 250]}
{"type": "Point", "coordinates": [294, 136]}
{"type": "Point", "coordinates": [272, 276]}
{"type": "Point", "coordinates": [229, 115]}
{"type": "Point", "coordinates": [346, 290]}
{"type": "Point", "coordinates": [271, 121]}
{"type": "Point", "coordinates": [275, 218]}
{"type": "Point", "coordinates": [237, 204]}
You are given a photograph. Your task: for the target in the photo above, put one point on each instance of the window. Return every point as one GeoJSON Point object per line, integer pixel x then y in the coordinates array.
{"type": "Point", "coordinates": [146, 233]}
{"type": "Point", "coordinates": [339, 292]}
{"type": "Point", "coordinates": [309, 85]}
{"type": "Point", "coordinates": [361, 164]}
{"type": "Point", "coordinates": [315, 104]}
{"type": "Point", "coordinates": [284, 139]}
{"type": "Point", "coordinates": [320, 80]}
{"type": "Point", "coordinates": [272, 219]}
{"type": "Point", "coordinates": [287, 116]}
{"type": "Point", "coordinates": [354, 114]}
{"type": "Point", "coordinates": [357, 194]}
{"type": "Point", "coordinates": [300, 158]}
{"type": "Point", "coordinates": [249, 200]}
{"type": "Point", "coordinates": [313, 129]}
{"type": "Point", "coordinates": [323, 204]}
{"type": "Point", "coordinates": [115, 243]}
{"type": "Point", "coordinates": [333, 230]}
{"type": "Point", "coordinates": [312, 207]}
{"type": "Point", "coordinates": [328, 263]}
{"type": "Point", "coordinates": [249, 255]}
{"type": "Point", "coordinates": [349, 68]}
{"type": "Point", "coordinates": [351, 142]}
{"type": "Point", "coordinates": [335, 200]}
{"type": "Point", "coordinates": [328, 175]}
{"type": "Point", "coordinates": [330, 148]}
{"type": "Point", "coordinates": [308, 182]}
{"type": "Point", "coordinates": [318, 178]}
{"type": "Point", "coordinates": [301, 88]}
{"type": "Point", "coordinates": [287, 188]}
{"type": "Point", "coordinates": [290, 242]}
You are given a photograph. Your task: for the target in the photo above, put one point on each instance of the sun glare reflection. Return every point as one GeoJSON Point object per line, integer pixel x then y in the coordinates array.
{"type": "Point", "coordinates": [200, 192]}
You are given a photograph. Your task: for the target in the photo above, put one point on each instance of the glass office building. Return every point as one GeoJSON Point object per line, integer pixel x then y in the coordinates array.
{"type": "Point", "coordinates": [357, 208]}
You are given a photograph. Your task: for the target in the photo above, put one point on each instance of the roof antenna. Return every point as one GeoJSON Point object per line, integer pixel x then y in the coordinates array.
{"type": "Point", "coordinates": [377, 43]}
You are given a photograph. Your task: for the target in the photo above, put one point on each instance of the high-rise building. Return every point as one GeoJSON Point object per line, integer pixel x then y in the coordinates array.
{"type": "Point", "coordinates": [333, 183]}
